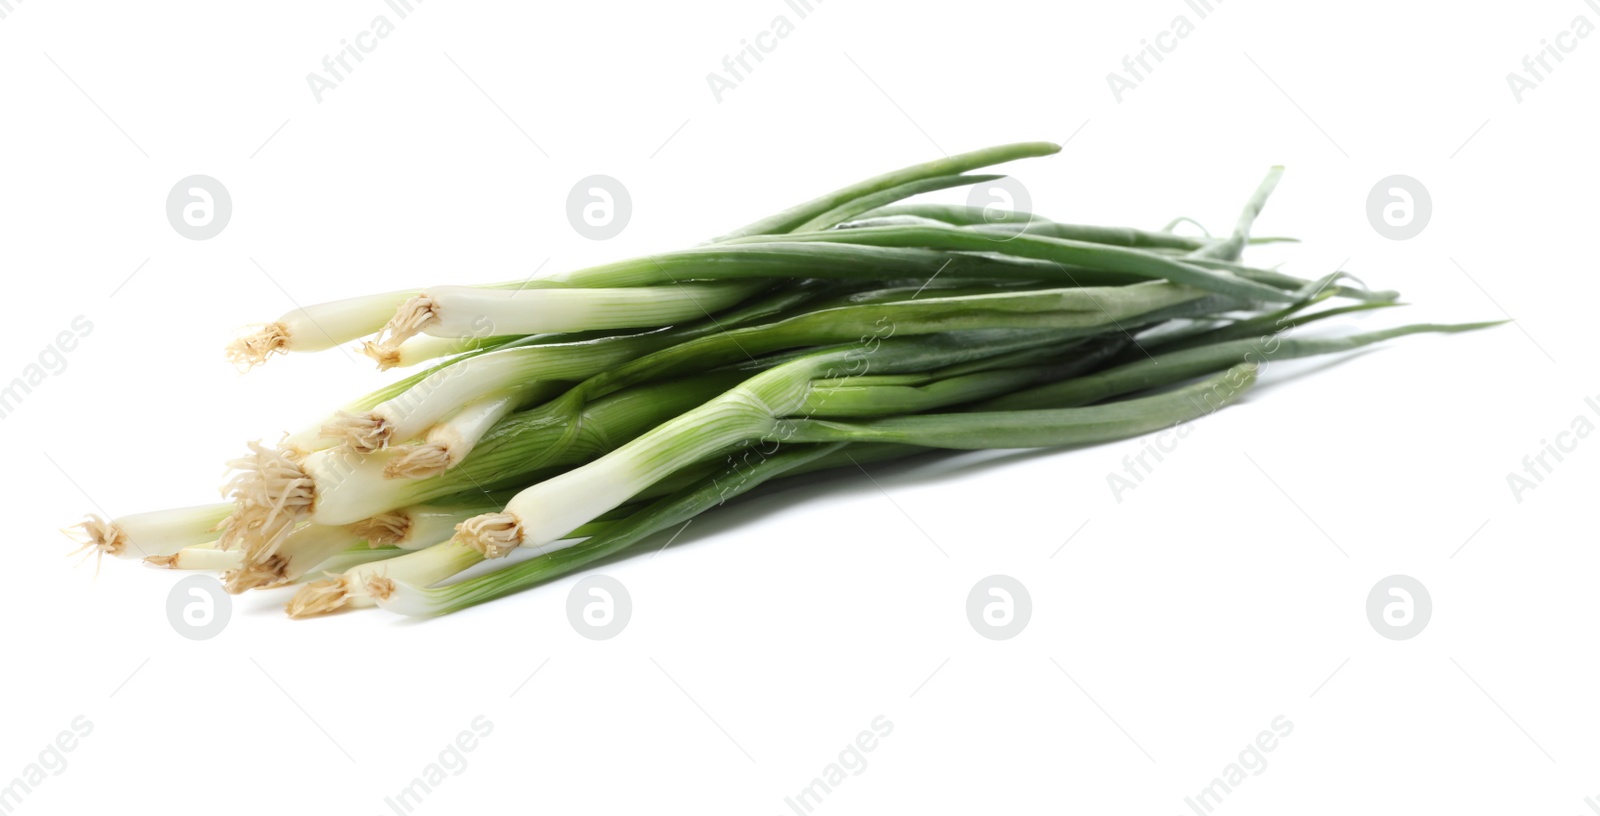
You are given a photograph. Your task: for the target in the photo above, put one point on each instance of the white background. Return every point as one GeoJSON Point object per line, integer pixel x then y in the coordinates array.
{"type": "Point", "coordinates": [1174, 626]}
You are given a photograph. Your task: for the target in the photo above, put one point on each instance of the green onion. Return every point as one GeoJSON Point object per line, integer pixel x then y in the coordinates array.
{"type": "Point", "coordinates": [363, 584]}
{"type": "Point", "coordinates": [316, 327]}
{"type": "Point", "coordinates": [545, 512]}
{"type": "Point", "coordinates": [298, 553]}
{"type": "Point", "coordinates": [851, 209]}
{"type": "Point", "coordinates": [794, 217]}
{"type": "Point", "coordinates": [415, 599]}
{"type": "Point", "coordinates": [575, 414]}
{"type": "Point", "coordinates": [1075, 260]}
{"type": "Point", "coordinates": [199, 557]}
{"type": "Point", "coordinates": [514, 374]}
{"type": "Point", "coordinates": [156, 533]}
{"type": "Point", "coordinates": [274, 492]}
{"type": "Point", "coordinates": [1176, 366]}
{"type": "Point", "coordinates": [1231, 247]}
{"type": "Point", "coordinates": [466, 311]}
{"type": "Point", "coordinates": [979, 430]}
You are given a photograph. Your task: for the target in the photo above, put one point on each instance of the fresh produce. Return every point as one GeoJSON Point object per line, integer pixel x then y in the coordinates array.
{"type": "Point", "coordinates": [566, 418]}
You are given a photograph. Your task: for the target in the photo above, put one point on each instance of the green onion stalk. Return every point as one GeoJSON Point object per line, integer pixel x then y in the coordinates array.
{"type": "Point", "coordinates": [1176, 366]}
{"type": "Point", "coordinates": [416, 598]}
{"type": "Point", "coordinates": [466, 312]}
{"type": "Point", "coordinates": [1006, 222]}
{"type": "Point", "coordinates": [853, 444]}
{"type": "Point", "coordinates": [362, 583]}
{"type": "Point", "coordinates": [316, 327]}
{"type": "Point", "coordinates": [548, 511]}
{"type": "Point", "coordinates": [208, 558]}
{"type": "Point", "coordinates": [570, 416]}
{"type": "Point", "coordinates": [799, 215]}
{"type": "Point", "coordinates": [151, 534]}
{"type": "Point", "coordinates": [323, 326]}
{"type": "Point", "coordinates": [309, 546]}
{"type": "Point", "coordinates": [205, 556]}
{"type": "Point", "coordinates": [1080, 263]}
{"type": "Point", "coordinates": [806, 443]}
{"type": "Point", "coordinates": [300, 551]}
{"type": "Point", "coordinates": [727, 480]}
{"type": "Point", "coordinates": [273, 493]}
{"type": "Point", "coordinates": [515, 375]}
{"type": "Point", "coordinates": [1071, 313]}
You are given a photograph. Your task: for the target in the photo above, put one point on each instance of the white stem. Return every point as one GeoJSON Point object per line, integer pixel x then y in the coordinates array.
{"type": "Point", "coordinates": [273, 494]}
{"type": "Point", "coordinates": [156, 533]}
{"type": "Point", "coordinates": [317, 327]}
{"type": "Point", "coordinates": [431, 525]}
{"type": "Point", "coordinates": [461, 432]}
{"type": "Point", "coordinates": [411, 600]}
{"type": "Point", "coordinates": [325, 325]}
{"type": "Point", "coordinates": [542, 515]}
{"type": "Point", "coordinates": [546, 512]}
{"type": "Point", "coordinates": [418, 350]}
{"type": "Point", "coordinates": [412, 413]}
{"type": "Point", "coordinates": [418, 526]}
{"type": "Point", "coordinates": [448, 442]}
{"type": "Point", "coordinates": [424, 567]}
{"type": "Point", "coordinates": [304, 442]}
{"type": "Point", "coordinates": [460, 311]}
{"type": "Point", "coordinates": [351, 558]}
{"type": "Point", "coordinates": [527, 370]}
{"type": "Point", "coordinates": [209, 560]}
{"type": "Point", "coordinates": [199, 557]}
{"type": "Point", "coordinates": [349, 487]}
{"type": "Point", "coordinates": [311, 545]}
{"type": "Point", "coordinates": [361, 585]}
{"type": "Point", "coordinates": [301, 551]}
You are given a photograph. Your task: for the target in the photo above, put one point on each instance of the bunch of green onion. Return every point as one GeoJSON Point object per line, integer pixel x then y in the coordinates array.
{"type": "Point", "coordinates": [571, 417]}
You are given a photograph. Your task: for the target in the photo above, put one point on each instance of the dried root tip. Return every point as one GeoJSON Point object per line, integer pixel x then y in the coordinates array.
{"type": "Point", "coordinates": [269, 572]}
{"type": "Point", "coordinates": [383, 530]}
{"type": "Point", "coordinates": [254, 349]}
{"type": "Point", "coordinates": [419, 462]}
{"type": "Point", "coordinates": [292, 447]}
{"type": "Point", "coordinates": [363, 433]}
{"type": "Point", "coordinates": [379, 588]}
{"type": "Point", "coordinates": [319, 598]}
{"type": "Point", "coordinates": [493, 534]}
{"type": "Point", "coordinates": [386, 358]}
{"type": "Point", "coordinates": [162, 561]}
{"type": "Point", "coordinates": [272, 493]}
{"type": "Point", "coordinates": [413, 316]}
{"type": "Point", "coordinates": [101, 536]}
